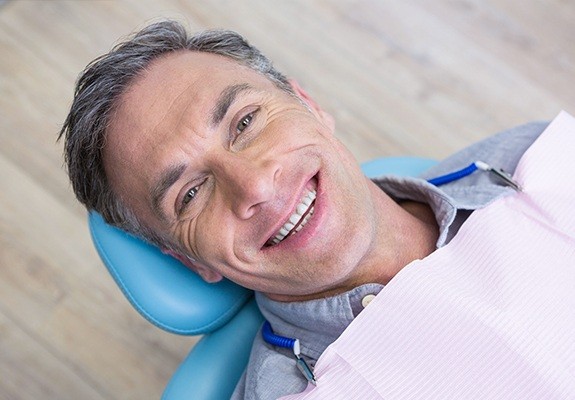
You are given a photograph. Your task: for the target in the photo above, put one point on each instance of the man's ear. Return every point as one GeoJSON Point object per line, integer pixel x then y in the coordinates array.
{"type": "Point", "coordinates": [207, 274]}
{"type": "Point", "coordinates": [325, 117]}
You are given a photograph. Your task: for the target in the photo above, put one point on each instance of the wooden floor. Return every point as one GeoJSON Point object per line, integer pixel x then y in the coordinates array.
{"type": "Point", "coordinates": [403, 77]}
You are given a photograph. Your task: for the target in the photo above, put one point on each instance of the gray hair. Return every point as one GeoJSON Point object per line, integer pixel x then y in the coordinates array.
{"type": "Point", "coordinates": [97, 91]}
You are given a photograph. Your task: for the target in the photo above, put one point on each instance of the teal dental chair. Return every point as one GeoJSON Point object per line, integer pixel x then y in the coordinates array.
{"type": "Point", "coordinates": [172, 297]}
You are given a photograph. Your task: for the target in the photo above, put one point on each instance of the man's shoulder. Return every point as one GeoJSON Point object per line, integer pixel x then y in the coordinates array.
{"type": "Point", "coordinates": [502, 150]}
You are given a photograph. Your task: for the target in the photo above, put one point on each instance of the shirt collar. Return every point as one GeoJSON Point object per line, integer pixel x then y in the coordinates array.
{"type": "Point", "coordinates": [316, 323]}
{"type": "Point", "coordinates": [415, 189]}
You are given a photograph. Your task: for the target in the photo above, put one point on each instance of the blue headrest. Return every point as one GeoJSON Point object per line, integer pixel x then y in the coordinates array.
{"type": "Point", "coordinates": [162, 289]}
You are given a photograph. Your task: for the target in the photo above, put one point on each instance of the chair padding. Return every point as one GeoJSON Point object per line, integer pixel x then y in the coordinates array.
{"type": "Point", "coordinates": [216, 363]}
{"type": "Point", "coordinates": [163, 290]}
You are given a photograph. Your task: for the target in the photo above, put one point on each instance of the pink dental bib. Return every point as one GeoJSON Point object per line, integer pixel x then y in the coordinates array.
{"type": "Point", "coordinates": [489, 316]}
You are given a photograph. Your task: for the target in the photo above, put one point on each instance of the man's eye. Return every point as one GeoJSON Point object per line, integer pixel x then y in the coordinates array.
{"type": "Point", "coordinates": [189, 196]}
{"type": "Point", "coordinates": [244, 123]}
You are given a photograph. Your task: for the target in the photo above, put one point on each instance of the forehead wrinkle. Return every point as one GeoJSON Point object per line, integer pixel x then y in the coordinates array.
{"type": "Point", "coordinates": [160, 188]}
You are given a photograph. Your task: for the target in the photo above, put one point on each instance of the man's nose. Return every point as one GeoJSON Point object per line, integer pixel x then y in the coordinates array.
{"type": "Point", "coordinates": [248, 183]}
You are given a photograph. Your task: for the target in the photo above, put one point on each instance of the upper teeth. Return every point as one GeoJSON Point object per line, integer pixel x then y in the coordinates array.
{"type": "Point", "coordinates": [295, 220]}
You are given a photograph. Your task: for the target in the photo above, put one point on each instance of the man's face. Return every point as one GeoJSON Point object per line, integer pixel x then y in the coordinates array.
{"type": "Point", "coordinates": [218, 159]}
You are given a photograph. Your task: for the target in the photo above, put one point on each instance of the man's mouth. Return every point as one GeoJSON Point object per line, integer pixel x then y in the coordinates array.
{"type": "Point", "coordinates": [295, 223]}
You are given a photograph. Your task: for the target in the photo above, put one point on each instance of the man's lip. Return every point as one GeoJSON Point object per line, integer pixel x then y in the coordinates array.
{"type": "Point", "coordinates": [294, 203]}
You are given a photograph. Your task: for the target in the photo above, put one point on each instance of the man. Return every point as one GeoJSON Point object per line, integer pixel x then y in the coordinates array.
{"type": "Point", "coordinates": [200, 146]}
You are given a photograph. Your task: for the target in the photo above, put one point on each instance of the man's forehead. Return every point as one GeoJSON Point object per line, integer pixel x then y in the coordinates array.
{"type": "Point", "coordinates": [207, 70]}
{"type": "Point", "coordinates": [184, 78]}
{"type": "Point", "coordinates": [168, 77]}
{"type": "Point", "coordinates": [190, 61]}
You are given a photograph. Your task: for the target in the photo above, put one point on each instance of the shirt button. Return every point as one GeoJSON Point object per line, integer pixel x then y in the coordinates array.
{"type": "Point", "coordinates": [367, 299]}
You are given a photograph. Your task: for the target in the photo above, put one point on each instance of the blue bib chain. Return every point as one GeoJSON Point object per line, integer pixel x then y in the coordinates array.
{"type": "Point", "coordinates": [293, 344]}
{"type": "Point", "coordinates": [471, 168]}
{"type": "Point", "coordinates": [288, 343]}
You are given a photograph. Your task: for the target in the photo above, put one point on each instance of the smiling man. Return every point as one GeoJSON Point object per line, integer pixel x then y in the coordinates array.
{"type": "Point", "coordinates": [198, 145]}
{"type": "Point", "coordinates": [199, 141]}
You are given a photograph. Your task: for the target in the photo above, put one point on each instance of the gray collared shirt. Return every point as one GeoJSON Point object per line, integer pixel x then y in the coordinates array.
{"type": "Point", "coordinates": [271, 372]}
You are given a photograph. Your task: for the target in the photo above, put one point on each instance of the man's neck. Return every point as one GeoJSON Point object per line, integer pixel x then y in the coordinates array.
{"type": "Point", "coordinates": [415, 237]}
{"type": "Point", "coordinates": [416, 234]}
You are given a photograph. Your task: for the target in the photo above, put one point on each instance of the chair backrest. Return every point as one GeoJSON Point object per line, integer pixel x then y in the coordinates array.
{"type": "Point", "coordinates": [177, 300]}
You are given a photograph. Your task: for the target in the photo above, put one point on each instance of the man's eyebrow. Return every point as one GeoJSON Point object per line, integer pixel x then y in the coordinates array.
{"type": "Point", "coordinates": [160, 188]}
{"type": "Point", "coordinates": [225, 100]}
